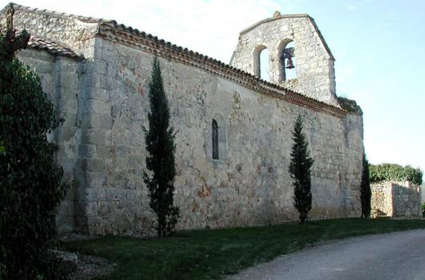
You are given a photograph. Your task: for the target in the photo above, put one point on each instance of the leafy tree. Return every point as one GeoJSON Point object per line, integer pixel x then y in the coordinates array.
{"type": "Point", "coordinates": [365, 193]}
{"type": "Point", "coordinates": [31, 185]}
{"type": "Point", "coordinates": [300, 168]}
{"type": "Point", "coordinates": [395, 172]}
{"type": "Point", "coordinates": [160, 160]}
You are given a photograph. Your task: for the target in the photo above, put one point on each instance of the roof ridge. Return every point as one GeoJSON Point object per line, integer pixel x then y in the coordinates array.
{"type": "Point", "coordinates": [224, 66]}
{"type": "Point", "coordinates": [189, 53]}
{"type": "Point", "coordinates": [56, 14]}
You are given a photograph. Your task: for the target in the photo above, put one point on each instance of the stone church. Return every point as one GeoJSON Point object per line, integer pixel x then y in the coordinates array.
{"type": "Point", "coordinates": [234, 129]}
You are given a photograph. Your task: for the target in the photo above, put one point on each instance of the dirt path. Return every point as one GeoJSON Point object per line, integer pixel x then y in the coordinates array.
{"type": "Point", "coordinates": [391, 256]}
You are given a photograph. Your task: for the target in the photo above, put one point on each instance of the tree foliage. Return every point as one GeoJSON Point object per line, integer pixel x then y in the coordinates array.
{"type": "Point", "coordinates": [395, 172]}
{"type": "Point", "coordinates": [31, 185]}
{"type": "Point", "coordinates": [160, 160]}
{"type": "Point", "coordinates": [300, 169]}
{"type": "Point", "coordinates": [365, 192]}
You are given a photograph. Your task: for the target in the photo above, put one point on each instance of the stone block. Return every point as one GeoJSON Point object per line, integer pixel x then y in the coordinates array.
{"type": "Point", "coordinates": [64, 104]}
{"type": "Point", "coordinates": [90, 209]}
{"type": "Point", "coordinates": [87, 151]}
{"type": "Point", "coordinates": [134, 194]}
{"type": "Point", "coordinates": [117, 194]}
{"type": "Point", "coordinates": [105, 152]}
{"type": "Point", "coordinates": [67, 78]}
{"type": "Point", "coordinates": [93, 221]}
{"type": "Point", "coordinates": [96, 137]}
{"type": "Point", "coordinates": [63, 208]}
{"type": "Point", "coordinates": [95, 194]}
{"type": "Point", "coordinates": [66, 133]}
{"type": "Point", "coordinates": [71, 211]}
{"type": "Point", "coordinates": [89, 92]}
{"type": "Point", "coordinates": [95, 179]}
{"type": "Point", "coordinates": [68, 164]}
{"type": "Point", "coordinates": [92, 165]}
{"type": "Point", "coordinates": [70, 118]}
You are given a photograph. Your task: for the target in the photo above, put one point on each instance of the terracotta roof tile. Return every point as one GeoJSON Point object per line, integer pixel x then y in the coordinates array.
{"type": "Point", "coordinates": [52, 47]}
{"type": "Point", "coordinates": [255, 82]}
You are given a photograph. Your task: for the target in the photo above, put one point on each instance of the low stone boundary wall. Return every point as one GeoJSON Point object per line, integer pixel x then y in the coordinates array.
{"type": "Point", "coordinates": [396, 199]}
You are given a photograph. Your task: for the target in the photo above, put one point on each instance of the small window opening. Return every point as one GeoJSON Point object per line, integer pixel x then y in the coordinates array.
{"type": "Point", "coordinates": [215, 154]}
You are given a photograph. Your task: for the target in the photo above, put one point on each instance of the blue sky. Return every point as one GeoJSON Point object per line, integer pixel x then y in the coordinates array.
{"type": "Point", "coordinates": [378, 45]}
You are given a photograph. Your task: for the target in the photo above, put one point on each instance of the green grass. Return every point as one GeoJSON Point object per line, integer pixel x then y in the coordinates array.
{"type": "Point", "coordinates": [211, 254]}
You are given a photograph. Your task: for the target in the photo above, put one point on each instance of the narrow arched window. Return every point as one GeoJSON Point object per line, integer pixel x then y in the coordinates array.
{"type": "Point", "coordinates": [215, 154]}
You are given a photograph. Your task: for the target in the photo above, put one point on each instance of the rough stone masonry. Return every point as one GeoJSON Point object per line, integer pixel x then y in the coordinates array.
{"type": "Point", "coordinates": [396, 199]}
{"type": "Point", "coordinates": [97, 71]}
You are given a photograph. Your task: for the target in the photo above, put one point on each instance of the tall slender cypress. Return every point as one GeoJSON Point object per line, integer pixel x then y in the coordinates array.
{"type": "Point", "coordinates": [160, 160]}
{"type": "Point", "coordinates": [300, 169]}
{"type": "Point", "coordinates": [365, 192]}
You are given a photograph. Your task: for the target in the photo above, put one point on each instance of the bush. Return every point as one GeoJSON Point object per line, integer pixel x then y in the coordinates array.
{"type": "Point", "coordinates": [395, 172]}
{"type": "Point", "coordinates": [30, 180]}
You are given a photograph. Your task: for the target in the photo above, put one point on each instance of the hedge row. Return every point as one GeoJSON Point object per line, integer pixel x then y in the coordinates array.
{"type": "Point", "coordinates": [395, 172]}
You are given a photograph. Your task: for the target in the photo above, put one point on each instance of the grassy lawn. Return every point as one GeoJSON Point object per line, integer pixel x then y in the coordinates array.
{"type": "Point", "coordinates": [211, 254]}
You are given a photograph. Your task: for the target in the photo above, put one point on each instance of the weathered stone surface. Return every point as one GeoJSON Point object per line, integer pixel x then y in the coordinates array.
{"type": "Point", "coordinates": [314, 63]}
{"type": "Point", "coordinates": [396, 199]}
{"type": "Point", "coordinates": [102, 146]}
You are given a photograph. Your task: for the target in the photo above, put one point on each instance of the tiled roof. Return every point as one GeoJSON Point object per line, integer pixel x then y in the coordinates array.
{"type": "Point", "coordinates": [51, 47]}
{"type": "Point", "coordinates": [55, 14]}
{"type": "Point", "coordinates": [152, 44]}
{"type": "Point", "coordinates": [186, 56]}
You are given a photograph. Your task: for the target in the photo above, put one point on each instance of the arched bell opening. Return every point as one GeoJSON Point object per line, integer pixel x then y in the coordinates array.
{"type": "Point", "coordinates": [261, 62]}
{"type": "Point", "coordinates": [287, 61]}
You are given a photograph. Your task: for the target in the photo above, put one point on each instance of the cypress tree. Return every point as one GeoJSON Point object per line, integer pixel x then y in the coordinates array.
{"type": "Point", "coordinates": [31, 185]}
{"type": "Point", "coordinates": [300, 168]}
{"type": "Point", "coordinates": [160, 160]}
{"type": "Point", "coordinates": [365, 192]}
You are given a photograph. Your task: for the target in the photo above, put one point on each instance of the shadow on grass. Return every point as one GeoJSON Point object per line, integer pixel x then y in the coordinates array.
{"type": "Point", "coordinates": [212, 254]}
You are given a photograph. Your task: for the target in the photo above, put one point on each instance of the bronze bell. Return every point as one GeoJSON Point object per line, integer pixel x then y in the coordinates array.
{"type": "Point", "coordinates": [290, 64]}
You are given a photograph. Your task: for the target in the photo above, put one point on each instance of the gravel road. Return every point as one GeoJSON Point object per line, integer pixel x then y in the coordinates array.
{"type": "Point", "coordinates": [391, 256]}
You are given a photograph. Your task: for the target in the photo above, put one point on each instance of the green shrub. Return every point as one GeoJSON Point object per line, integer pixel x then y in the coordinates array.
{"type": "Point", "coordinates": [30, 180]}
{"type": "Point", "coordinates": [395, 172]}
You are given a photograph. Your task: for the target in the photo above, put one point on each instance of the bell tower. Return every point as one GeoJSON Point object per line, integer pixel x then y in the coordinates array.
{"type": "Point", "coordinates": [299, 57]}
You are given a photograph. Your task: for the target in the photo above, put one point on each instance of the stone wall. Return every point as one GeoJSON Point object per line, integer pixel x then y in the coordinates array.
{"type": "Point", "coordinates": [407, 200]}
{"type": "Point", "coordinates": [314, 61]}
{"type": "Point", "coordinates": [381, 201]}
{"type": "Point", "coordinates": [60, 79]}
{"type": "Point", "coordinates": [248, 185]}
{"type": "Point", "coordinates": [71, 31]}
{"type": "Point", "coordinates": [104, 101]}
{"type": "Point", "coordinates": [396, 199]}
